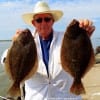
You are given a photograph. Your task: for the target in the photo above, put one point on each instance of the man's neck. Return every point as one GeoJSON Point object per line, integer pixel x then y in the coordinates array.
{"type": "Point", "coordinates": [47, 37]}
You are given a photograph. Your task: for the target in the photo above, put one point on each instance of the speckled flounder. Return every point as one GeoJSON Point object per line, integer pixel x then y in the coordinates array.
{"type": "Point", "coordinates": [21, 61]}
{"type": "Point", "coordinates": [77, 55]}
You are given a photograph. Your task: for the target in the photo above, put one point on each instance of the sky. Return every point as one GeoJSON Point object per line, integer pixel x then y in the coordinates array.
{"type": "Point", "coordinates": [11, 14]}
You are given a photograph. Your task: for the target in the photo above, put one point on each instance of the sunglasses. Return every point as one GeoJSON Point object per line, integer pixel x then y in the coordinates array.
{"type": "Point", "coordinates": [46, 19]}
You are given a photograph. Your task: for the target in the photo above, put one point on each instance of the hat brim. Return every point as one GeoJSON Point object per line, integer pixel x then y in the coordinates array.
{"type": "Point", "coordinates": [28, 17]}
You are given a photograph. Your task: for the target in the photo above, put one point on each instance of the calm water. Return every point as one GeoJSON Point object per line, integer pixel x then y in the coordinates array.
{"type": "Point", "coordinates": [4, 82]}
{"type": "Point", "coordinates": [96, 42]}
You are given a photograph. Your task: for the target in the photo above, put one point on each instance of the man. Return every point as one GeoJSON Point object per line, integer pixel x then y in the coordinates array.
{"type": "Point", "coordinates": [50, 81]}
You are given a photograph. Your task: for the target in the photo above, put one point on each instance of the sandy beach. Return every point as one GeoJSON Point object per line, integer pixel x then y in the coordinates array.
{"type": "Point", "coordinates": [91, 83]}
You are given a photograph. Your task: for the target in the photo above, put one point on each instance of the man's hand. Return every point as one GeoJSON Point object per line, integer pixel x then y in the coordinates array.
{"type": "Point", "coordinates": [87, 25]}
{"type": "Point", "coordinates": [18, 31]}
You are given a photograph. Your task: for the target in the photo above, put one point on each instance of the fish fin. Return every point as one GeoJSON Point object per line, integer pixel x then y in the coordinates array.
{"type": "Point", "coordinates": [77, 88]}
{"type": "Point", "coordinates": [14, 90]}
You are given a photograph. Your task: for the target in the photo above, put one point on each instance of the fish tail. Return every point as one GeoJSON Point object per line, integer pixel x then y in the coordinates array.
{"type": "Point", "coordinates": [77, 87]}
{"type": "Point", "coordinates": [14, 90]}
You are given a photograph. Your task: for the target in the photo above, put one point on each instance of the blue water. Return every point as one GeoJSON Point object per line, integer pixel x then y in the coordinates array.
{"type": "Point", "coordinates": [95, 42]}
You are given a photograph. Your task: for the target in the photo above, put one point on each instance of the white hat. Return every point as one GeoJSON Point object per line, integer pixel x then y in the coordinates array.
{"type": "Point", "coordinates": [40, 8]}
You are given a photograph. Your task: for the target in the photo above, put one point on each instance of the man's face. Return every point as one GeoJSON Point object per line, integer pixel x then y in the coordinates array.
{"type": "Point", "coordinates": [43, 24]}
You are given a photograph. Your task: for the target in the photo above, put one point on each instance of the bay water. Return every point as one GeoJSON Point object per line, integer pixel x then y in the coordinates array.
{"type": "Point", "coordinates": [4, 80]}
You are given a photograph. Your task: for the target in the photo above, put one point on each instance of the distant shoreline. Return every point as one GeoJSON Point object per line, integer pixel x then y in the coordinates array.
{"type": "Point", "coordinates": [5, 40]}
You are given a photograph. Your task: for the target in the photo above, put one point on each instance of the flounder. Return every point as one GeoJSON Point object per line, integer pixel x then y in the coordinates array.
{"type": "Point", "coordinates": [21, 62]}
{"type": "Point", "coordinates": [77, 55]}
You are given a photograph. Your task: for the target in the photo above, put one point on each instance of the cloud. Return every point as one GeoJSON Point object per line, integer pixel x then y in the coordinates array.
{"type": "Point", "coordinates": [11, 11]}
{"type": "Point", "coordinates": [80, 8]}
